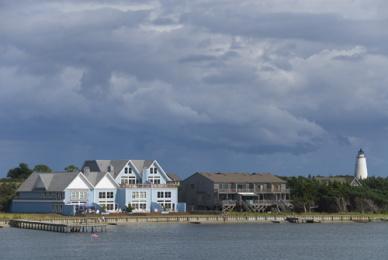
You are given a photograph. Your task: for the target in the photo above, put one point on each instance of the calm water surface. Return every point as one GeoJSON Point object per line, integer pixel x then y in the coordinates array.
{"type": "Point", "coordinates": [189, 242]}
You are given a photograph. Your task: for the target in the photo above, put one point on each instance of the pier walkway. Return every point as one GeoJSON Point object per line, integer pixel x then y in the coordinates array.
{"type": "Point", "coordinates": [58, 227]}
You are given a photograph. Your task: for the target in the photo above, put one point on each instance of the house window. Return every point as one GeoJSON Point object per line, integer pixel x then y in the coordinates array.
{"type": "Point", "coordinates": [166, 206]}
{"type": "Point", "coordinates": [167, 194]}
{"type": "Point", "coordinates": [152, 170]}
{"type": "Point", "coordinates": [83, 195]}
{"type": "Point", "coordinates": [154, 180]}
{"type": "Point", "coordinates": [155, 170]}
{"type": "Point", "coordinates": [101, 195]}
{"type": "Point", "coordinates": [139, 206]}
{"type": "Point", "coordinates": [74, 195]}
{"type": "Point", "coordinates": [109, 206]}
{"type": "Point", "coordinates": [128, 180]}
{"type": "Point", "coordinates": [139, 195]}
{"type": "Point", "coordinates": [129, 170]}
{"type": "Point", "coordinates": [125, 170]}
{"type": "Point", "coordinates": [79, 195]}
{"type": "Point", "coordinates": [160, 194]}
{"type": "Point", "coordinates": [109, 195]}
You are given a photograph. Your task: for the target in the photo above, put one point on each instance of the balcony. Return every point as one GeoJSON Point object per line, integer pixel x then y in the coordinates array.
{"type": "Point", "coordinates": [148, 186]}
{"type": "Point", "coordinates": [256, 191]}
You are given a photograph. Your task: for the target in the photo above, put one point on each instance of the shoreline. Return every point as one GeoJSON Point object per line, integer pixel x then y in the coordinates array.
{"type": "Point", "coordinates": [207, 219]}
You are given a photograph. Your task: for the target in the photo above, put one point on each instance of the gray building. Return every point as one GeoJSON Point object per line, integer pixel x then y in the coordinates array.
{"type": "Point", "coordinates": [257, 192]}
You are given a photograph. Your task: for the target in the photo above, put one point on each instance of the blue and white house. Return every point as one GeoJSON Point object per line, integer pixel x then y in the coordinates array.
{"type": "Point", "coordinates": [62, 193]}
{"type": "Point", "coordinates": [111, 185]}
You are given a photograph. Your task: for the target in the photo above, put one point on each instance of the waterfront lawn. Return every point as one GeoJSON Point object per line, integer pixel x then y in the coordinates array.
{"type": "Point", "coordinates": [6, 216]}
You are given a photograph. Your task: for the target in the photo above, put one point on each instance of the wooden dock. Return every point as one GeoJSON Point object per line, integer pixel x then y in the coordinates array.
{"type": "Point", "coordinates": [58, 227]}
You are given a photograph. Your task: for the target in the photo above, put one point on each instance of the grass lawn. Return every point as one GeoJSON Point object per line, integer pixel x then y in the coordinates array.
{"type": "Point", "coordinates": [29, 216]}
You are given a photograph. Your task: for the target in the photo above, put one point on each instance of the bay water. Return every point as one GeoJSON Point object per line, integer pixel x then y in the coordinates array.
{"type": "Point", "coordinates": [204, 241]}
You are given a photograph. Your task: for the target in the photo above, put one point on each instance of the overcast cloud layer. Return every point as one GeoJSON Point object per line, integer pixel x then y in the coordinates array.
{"type": "Point", "coordinates": [291, 87]}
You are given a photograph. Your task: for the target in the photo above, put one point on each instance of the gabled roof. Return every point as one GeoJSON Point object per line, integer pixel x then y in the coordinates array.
{"type": "Point", "coordinates": [239, 177]}
{"type": "Point", "coordinates": [118, 165]}
{"type": "Point", "coordinates": [142, 164]}
{"type": "Point", "coordinates": [51, 181]}
{"type": "Point", "coordinates": [94, 177]}
{"type": "Point", "coordinates": [173, 177]}
{"type": "Point", "coordinates": [43, 181]}
{"type": "Point", "coordinates": [103, 165]}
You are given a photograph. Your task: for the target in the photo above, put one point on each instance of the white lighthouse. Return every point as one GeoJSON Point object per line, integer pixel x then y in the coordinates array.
{"type": "Point", "coordinates": [361, 172]}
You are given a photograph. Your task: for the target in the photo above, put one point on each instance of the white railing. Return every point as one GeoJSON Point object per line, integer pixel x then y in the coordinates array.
{"type": "Point", "coordinates": [236, 190]}
{"type": "Point", "coordinates": [148, 185]}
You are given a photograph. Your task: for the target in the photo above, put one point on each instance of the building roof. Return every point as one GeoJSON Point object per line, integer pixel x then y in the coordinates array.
{"type": "Point", "coordinates": [238, 177]}
{"type": "Point", "coordinates": [173, 177]}
{"type": "Point", "coordinates": [118, 165]}
{"type": "Point", "coordinates": [103, 166]}
{"type": "Point", "coordinates": [142, 164]}
{"type": "Point", "coordinates": [94, 177]}
{"type": "Point", "coordinates": [48, 181]}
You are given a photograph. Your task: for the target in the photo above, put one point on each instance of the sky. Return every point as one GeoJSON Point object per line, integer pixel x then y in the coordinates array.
{"type": "Point", "coordinates": [292, 87]}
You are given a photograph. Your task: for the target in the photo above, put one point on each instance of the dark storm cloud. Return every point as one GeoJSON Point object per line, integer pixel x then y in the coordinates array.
{"type": "Point", "coordinates": [184, 81]}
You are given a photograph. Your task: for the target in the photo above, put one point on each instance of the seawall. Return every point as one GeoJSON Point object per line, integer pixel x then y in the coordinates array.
{"type": "Point", "coordinates": [209, 219]}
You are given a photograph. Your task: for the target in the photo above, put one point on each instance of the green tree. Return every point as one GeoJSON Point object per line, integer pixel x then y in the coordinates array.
{"type": "Point", "coordinates": [20, 172]}
{"type": "Point", "coordinates": [71, 168]}
{"type": "Point", "coordinates": [337, 195]}
{"type": "Point", "coordinates": [42, 168]}
{"type": "Point", "coordinates": [7, 192]}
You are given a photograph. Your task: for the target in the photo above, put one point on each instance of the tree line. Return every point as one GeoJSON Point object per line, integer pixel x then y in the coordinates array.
{"type": "Point", "coordinates": [312, 194]}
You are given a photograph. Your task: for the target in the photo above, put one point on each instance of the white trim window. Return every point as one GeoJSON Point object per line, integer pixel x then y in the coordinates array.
{"type": "Point", "coordinates": [139, 206]}
{"type": "Point", "coordinates": [128, 180]}
{"type": "Point", "coordinates": [164, 200]}
{"type": "Point", "coordinates": [139, 195]}
{"type": "Point", "coordinates": [154, 179]}
{"type": "Point", "coordinates": [139, 201]}
{"type": "Point", "coordinates": [106, 199]}
{"type": "Point", "coordinates": [79, 196]}
{"type": "Point", "coordinates": [166, 194]}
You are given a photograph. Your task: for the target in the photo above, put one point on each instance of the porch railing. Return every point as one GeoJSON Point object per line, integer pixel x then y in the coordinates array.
{"type": "Point", "coordinates": [254, 202]}
{"type": "Point", "coordinates": [149, 185]}
{"type": "Point", "coordinates": [236, 190]}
